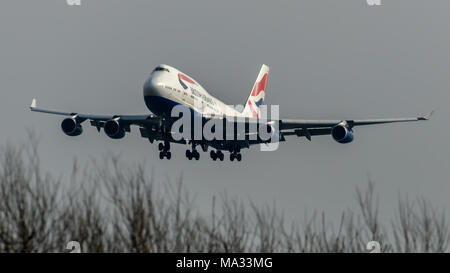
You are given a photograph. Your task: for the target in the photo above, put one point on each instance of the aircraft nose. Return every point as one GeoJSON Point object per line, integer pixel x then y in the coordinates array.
{"type": "Point", "coordinates": [152, 87]}
{"type": "Point", "coordinates": [156, 96]}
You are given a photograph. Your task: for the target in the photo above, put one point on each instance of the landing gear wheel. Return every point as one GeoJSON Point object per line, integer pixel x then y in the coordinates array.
{"type": "Point", "coordinates": [166, 146]}
{"type": "Point", "coordinates": [169, 155]}
{"type": "Point", "coordinates": [189, 154]}
{"type": "Point", "coordinates": [196, 155]}
{"type": "Point", "coordinates": [232, 157]}
{"type": "Point", "coordinates": [213, 155]}
{"type": "Point", "coordinates": [160, 146]}
{"type": "Point", "coordinates": [220, 155]}
{"type": "Point", "coordinates": [161, 155]}
{"type": "Point", "coordinates": [239, 157]}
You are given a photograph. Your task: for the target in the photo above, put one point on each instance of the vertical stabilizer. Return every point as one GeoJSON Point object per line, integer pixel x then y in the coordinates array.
{"type": "Point", "coordinates": [257, 95]}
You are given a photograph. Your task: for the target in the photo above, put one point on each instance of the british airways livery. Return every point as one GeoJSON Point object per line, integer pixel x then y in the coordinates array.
{"type": "Point", "coordinates": [168, 88]}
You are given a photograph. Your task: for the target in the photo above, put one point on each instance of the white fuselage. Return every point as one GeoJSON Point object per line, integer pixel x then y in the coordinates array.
{"type": "Point", "coordinates": [167, 87]}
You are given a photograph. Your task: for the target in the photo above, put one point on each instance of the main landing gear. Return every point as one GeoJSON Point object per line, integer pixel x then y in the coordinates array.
{"type": "Point", "coordinates": [164, 152]}
{"type": "Point", "coordinates": [216, 155]}
{"type": "Point", "coordinates": [235, 154]}
{"type": "Point", "coordinates": [192, 154]}
{"type": "Point", "coordinates": [164, 149]}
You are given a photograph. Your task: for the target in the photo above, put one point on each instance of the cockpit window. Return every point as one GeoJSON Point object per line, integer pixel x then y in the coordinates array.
{"type": "Point", "coordinates": [159, 68]}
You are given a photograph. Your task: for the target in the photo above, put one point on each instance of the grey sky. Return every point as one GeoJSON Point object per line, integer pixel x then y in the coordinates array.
{"type": "Point", "coordinates": [328, 59]}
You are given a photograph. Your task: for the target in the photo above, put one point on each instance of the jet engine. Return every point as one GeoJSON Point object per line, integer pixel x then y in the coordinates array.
{"type": "Point", "coordinates": [71, 127]}
{"type": "Point", "coordinates": [269, 133]}
{"type": "Point", "coordinates": [342, 133]}
{"type": "Point", "coordinates": [113, 129]}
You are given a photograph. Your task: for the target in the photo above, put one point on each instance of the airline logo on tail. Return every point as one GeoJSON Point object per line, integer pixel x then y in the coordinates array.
{"type": "Point", "coordinates": [182, 78]}
{"type": "Point", "coordinates": [258, 93]}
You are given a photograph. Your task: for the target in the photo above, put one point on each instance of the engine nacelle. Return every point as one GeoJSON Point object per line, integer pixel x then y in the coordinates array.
{"type": "Point", "coordinates": [71, 127]}
{"type": "Point", "coordinates": [113, 129]}
{"type": "Point", "coordinates": [342, 133]}
{"type": "Point", "coordinates": [269, 133]}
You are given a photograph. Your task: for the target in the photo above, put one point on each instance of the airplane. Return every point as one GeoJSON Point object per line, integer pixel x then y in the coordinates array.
{"type": "Point", "coordinates": [167, 87]}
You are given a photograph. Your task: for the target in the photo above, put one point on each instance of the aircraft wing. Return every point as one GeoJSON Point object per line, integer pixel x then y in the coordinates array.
{"type": "Point", "coordinates": [297, 123]}
{"type": "Point", "coordinates": [98, 120]}
{"type": "Point", "coordinates": [308, 128]}
{"type": "Point", "coordinates": [148, 123]}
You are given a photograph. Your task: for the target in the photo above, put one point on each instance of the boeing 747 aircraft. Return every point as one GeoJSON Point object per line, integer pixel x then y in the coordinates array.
{"type": "Point", "coordinates": [168, 87]}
